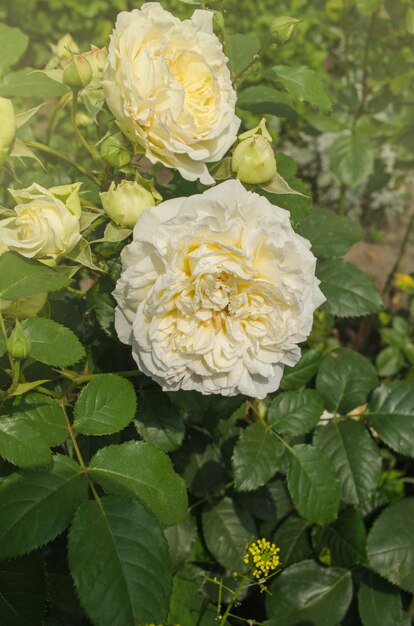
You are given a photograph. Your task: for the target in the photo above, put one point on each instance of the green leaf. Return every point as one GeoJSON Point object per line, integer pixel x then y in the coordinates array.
{"type": "Point", "coordinates": [106, 405]}
{"type": "Point", "coordinates": [52, 343]}
{"type": "Point", "coordinates": [345, 540]}
{"type": "Point", "coordinates": [295, 412]}
{"type": "Point", "coordinates": [159, 423]}
{"type": "Point", "coordinates": [389, 361]}
{"type": "Point", "coordinates": [37, 506]}
{"type": "Point", "coordinates": [331, 235]}
{"type": "Point", "coordinates": [266, 101]}
{"type": "Point", "coordinates": [303, 83]}
{"type": "Point", "coordinates": [292, 539]}
{"type": "Point", "coordinates": [379, 603]}
{"type": "Point", "coordinates": [21, 277]}
{"type": "Point", "coordinates": [226, 530]}
{"type": "Point", "coordinates": [256, 457]}
{"type": "Point", "coordinates": [137, 469]}
{"type": "Point", "coordinates": [345, 379]}
{"type": "Point", "coordinates": [352, 159]}
{"type": "Point", "coordinates": [391, 414]}
{"type": "Point", "coordinates": [13, 45]}
{"type": "Point", "coordinates": [189, 606]}
{"type": "Point", "coordinates": [241, 50]}
{"type": "Point", "coordinates": [21, 444]}
{"type": "Point", "coordinates": [355, 457]}
{"type": "Point", "coordinates": [22, 592]}
{"type": "Point", "coordinates": [280, 186]}
{"type": "Point", "coordinates": [118, 557]}
{"type": "Point", "coordinates": [313, 485]}
{"type": "Point", "coordinates": [348, 291]}
{"type": "Point", "coordinates": [305, 593]}
{"type": "Point", "coordinates": [201, 466]}
{"type": "Point", "coordinates": [30, 83]}
{"type": "Point", "coordinates": [304, 370]}
{"type": "Point", "coordinates": [180, 538]}
{"type": "Point", "coordinates": [391, 544]}
{"type": "Point", "coordinates": [44, 414]}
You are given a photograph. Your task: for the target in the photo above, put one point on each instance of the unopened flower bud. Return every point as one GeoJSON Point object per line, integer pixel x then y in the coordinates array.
{"type": "Point", "coordinates": [125, 203]}
{"type": "Point", "coordinates": [18, 344]}
{"type": "Point", "coordinates": [96, 58]}
{"type": "Point", "coordinates": [284, 29]}
{"type": "Point", "coordinates": [7, 127]}
{"type": "Point", "coordinates": [78, 73]}
{"type": "Point", "coordinates": [114, 151]}
{"type": "Point", "coordinates": [253, 160]}
{"type": "Point", "coordinates": [65, 47]}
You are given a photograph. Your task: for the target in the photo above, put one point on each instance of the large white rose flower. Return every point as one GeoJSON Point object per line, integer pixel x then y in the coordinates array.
{"type": "Point", "coordinates": [46, 224]}
{"type": "Point", "coordinates": [167, 83]}
{"type": "Point", "coordinates": [216, 292]}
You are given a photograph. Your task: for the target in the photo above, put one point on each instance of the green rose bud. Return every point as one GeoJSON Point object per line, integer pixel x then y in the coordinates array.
{"type": "Point", "coordinates": [125, 203]}
{"type": "Point", "coordinates": [18, 344]}
{"type": "Point", "coordinates": [284, 29]}
{"type": "Point", "coordinates": [7, 127]}
{"type": "Point", "coordinates": [78, 73]}
{"type": "Point", "coordinates": [114, 151]}
{"type": "Point", "coordinates": [253, 160]}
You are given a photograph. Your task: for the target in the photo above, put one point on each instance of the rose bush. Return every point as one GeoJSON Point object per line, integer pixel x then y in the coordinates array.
{"type": "Point", "coordinates": [169, 88]}
{"type": "Point", "coordinates": [216, 293]}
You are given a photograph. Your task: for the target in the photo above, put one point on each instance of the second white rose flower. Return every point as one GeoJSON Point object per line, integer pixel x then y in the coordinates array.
{"type": "Point", "coordinates": [167, 83]}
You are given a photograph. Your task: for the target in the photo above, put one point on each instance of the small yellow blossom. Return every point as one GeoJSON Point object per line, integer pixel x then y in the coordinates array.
{"type": "Point", "coordinates": [262, 556]}
{"type": "Point", "coordinates": [404, 282]}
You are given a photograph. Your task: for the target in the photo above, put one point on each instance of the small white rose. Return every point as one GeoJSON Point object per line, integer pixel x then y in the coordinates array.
{"type": "Point", "coordinates": [216, 293]}
{"type": "Point", "coordinates": [46, 224]}
{"type": "Point", "coordinates": [167, 83]}
{"type": "Point", "coordinates": [125, 202]}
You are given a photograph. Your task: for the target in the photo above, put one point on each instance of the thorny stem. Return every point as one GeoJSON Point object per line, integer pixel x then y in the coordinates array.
{"type": "Point", "coordinates": [56, 111]}
{"type": "Point", "coordinates": [257, 57]}
{"type": "Point", "coordinates": [231, 603]}
{"type": "Point", "coordinates": [92, 151]}
{"type": "Point", "coordinates": [43, 148]}
{"type": "Point", "coordinates": [400, 256]}
{"type": "Point", "coordinates": [85, 378]}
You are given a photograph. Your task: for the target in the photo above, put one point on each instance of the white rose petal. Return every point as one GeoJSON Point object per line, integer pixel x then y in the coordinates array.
{"type": "Point", "coordinates": [167, 83]}
{"type": "Point", "coordinates": [216, 293]}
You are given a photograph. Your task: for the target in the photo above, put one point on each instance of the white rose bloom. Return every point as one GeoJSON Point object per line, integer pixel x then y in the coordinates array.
{"type": "Point", "coordinates": [46, 223]}
{"type": "Point", "coordinates": [167, 83]}
{"type": "Point", "coordinates": [216, 293]}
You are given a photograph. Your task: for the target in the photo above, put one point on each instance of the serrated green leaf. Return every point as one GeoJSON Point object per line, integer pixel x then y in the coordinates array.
{"type": "Point", "coordinates": [37, 506]}
{"type": "Point", "coordinates": [159, 423]}
{"type": "Point", "coordinates": [306, 593]}
{"type": "Point", "coordinates": [180, 538]}
{"type": "Point", "coordinates": [22, 592]}
{"type": "Point", "coordinates": [304, 370]}
{"type": "Point", "coordinates": [379, 603]}
{"type": "Point", "coordinates": [352, 159]}
{"type": "Point", "coordinates": [227, 529]}
{"type": "Point", "coordinates": [118, 557]}
{"type": "Point", "coordinates": [345, 379]}
{"type": "Point", "coordinates": [137, 469]}
{"type": "Point", "coordinates": [391, 544]}
{"type": "Point", "coordinates": [292, 539]}
{"type": "Point", "coordinates": [389, 361]}
{"type": "Point", "coordinates": [348, 291]}
{"type": "Point", "coordinates": [331, 235]}
{"type": "Point", "coordinates": [256, 457]}
{"type": "Point", "coordinates": [21, 277]}
{"type": "Point", "coordinates": [391, 414]}
{"type": "Point", "coordinates": [295, 412]}
{"type": "Point", "coordinates": [52, 343]}
{"type": "Point", "coordinates": [106, 405]}
{"type": "Point", "coordinates": [355, 457]}
{"type": "Point", "coordinates": [21, 444]}
{"type": "Point", "coordinates": [241, 50]}
{"type": "Point", "coordinates": [264, 100]}
{"type": "Point", "coordinates": [345, 540]}
{"type": "Point", "coordinates": [44, 414]}
{"type": "Point", "coordinates": [313, 484]}
{"type": "Point", "coordinates": [303, 83]}
{"type": "Point", "coordinates": [29, 82]}
{"type": "Point", "coordinates": [13, 44]}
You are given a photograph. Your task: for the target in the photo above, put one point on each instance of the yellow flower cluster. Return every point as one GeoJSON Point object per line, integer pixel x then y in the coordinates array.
{"type": "Point", "coordinates": [263, 556]}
